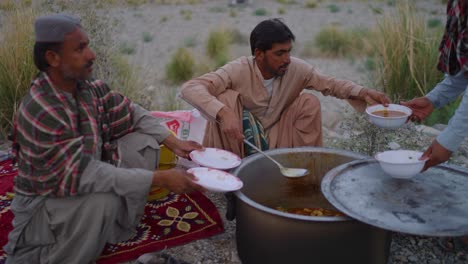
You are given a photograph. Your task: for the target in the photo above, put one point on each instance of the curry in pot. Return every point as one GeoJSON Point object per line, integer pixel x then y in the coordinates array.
{"type": "Point", "coordinates": [311, 211]}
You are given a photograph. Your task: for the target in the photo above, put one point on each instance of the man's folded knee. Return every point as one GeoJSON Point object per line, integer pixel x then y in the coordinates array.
{"type": "Point", "coordinates": [106, 204]}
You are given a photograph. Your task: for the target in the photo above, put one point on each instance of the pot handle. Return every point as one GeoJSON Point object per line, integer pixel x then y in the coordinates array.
{"type": "Point", "coordinates": [231, 206]}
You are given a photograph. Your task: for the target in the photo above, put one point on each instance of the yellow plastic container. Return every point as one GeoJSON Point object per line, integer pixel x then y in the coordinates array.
{"type": "Point", "coordinates": [167, 160]}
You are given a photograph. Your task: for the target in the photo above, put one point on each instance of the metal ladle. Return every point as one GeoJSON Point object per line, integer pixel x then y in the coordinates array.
{"type": "Point", "coordinates": [288, 172]}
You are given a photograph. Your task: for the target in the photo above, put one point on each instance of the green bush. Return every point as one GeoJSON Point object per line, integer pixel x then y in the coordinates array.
{"type": "Point", "coordinates": [311, 4]}
{"type": "Point", "coordinates": [232, 12]}
{"type": "Point", "coordinates": [217, 45]}
{"type": "Point", "coordinates": [147, 37]}
{"type": "Point", "coordinates": [181, 66]}
{"type": "Point", "coordinates": [286, 2]}
{"type": "Point", "coordinates": [135, 3]}
{"type": "Point", "coordinates": [281, 11]}
{"type": "Point", "coordinates": [217, 9]}
{"type": "Point", "coordinates": [187, 14]}
{"type": "Point", "coordinates": [407, 54]}
{"type": "Point", "coordinates": [334, 8]}
{"type": "Point", "coordinates": [334, 41]}
{"type": "Point", "coordinates": [127, 48]}
{"type": "Point", "coordinates": [434, 22]}
{"type": "Point", "coordinates": [260, 12]}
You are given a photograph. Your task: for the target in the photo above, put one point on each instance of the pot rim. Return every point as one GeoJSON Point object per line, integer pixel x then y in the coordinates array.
{"type": "Point", "coordinates": [255, 157]}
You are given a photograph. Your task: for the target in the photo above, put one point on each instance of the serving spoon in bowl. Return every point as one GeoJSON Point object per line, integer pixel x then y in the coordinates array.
{"type": "Point", "coordinates": [288, 172]}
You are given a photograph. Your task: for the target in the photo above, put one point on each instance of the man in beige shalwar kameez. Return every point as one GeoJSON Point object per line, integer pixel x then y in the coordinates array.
{"type": "Point", "coordinates": [270, 86]}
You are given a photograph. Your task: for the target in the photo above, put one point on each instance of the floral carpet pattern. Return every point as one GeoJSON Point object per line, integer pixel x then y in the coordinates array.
{"type": "Point", "coordinates": [173, 220]}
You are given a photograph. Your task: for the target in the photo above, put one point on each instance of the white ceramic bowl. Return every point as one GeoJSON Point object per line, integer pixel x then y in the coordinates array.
{"type": "Point", "coordinates": [402, 164]}
{"type": "Point", "coordinates": [388, 122]}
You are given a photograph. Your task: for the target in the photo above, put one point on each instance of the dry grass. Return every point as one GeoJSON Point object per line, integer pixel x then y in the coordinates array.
{"type": "Point", "coordinates": [407, 52]}
{"type": "Point", "coordinates": [16, 62]}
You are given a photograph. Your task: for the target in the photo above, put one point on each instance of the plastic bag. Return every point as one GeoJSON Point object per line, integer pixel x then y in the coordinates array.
{"type": "Point", "coordinates": [186, 124]}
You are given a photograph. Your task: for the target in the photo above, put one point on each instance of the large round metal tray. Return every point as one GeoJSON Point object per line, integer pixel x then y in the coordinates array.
{"type": "Point", "coordinates": [433, 203]}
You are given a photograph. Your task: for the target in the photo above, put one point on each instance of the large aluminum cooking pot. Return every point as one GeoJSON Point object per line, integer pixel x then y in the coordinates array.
{"type": "Point", "coordinates": [266, 235]}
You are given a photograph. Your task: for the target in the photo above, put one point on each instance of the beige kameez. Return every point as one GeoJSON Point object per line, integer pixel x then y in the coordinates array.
{"type": "Point", "coordinates": [290, 117]}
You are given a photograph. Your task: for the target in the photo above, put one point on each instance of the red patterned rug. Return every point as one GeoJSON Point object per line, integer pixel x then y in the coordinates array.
{"type": "Point", "coordinates": [171, 221]}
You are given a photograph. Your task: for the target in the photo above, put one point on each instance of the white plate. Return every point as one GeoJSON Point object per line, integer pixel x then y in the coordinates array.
{"type": "Point", "coordinates": [216, 180]}
{"type": "Point", "coordinates": [215, 158]}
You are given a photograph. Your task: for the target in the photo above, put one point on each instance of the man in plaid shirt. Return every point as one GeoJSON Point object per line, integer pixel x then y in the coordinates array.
{"type": "Point", "coordinates": [86, 155]}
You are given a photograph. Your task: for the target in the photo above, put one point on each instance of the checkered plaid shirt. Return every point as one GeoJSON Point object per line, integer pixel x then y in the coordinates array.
{"type": "Point", "coordinates": [454, 45]}
{"type": "Point", "coordinates": [55, 136]}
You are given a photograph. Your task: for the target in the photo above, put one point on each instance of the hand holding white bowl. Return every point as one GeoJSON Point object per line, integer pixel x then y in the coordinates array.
{"type": "Point", "coordinates": [393, 116]}
{"type": "Point", "coordinates": [402, 164]}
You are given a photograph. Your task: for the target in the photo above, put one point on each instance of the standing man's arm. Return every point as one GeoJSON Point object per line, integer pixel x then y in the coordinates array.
{"type": "Point", "coordinates": [451, 137]}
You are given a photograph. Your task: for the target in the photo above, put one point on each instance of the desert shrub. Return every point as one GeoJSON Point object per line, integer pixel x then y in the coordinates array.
{"type": "Point", "coordinates": [334, 41]}
{"type": "Point", "coordinates": [311, 4]}
{"type": "Point", "coordinates": [147, 37]}
{"type": "Point", "coordinates": [127, 48]}
{"type": "Point", "coordinates": [407, 54]}
{"type": "Point", "coordinates": [217, 46]}
{"type": "Point", "coordinates": [286, 2]}
{"type": "Point", "coordinates": [217, 9]}
{"type": "Point", "coordinates": [434, 22]}
{"type": "Point", "coordinates": [281, 11]}
{"type": "Point", "coordinates": [260, 12]}
{"type": "Point", "coordinates": [190, 41]}
{"type": "Point", "coordinates": [235, 36]}
{"type": "Point", "coordinates": [334, 8]}
{"type": "Point", "coordinates": [232, 12]}
{"type": "Point", "coordinates": [186, 14]}
{"type": "Point", "coordinates": [181, 66]}
{"type": "Point", "coordinates": [135, 2]}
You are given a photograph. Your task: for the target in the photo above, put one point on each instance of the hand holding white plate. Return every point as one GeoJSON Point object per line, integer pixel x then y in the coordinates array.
{"type": "Point", "coordinates": [215, 158]}
{"type": "Point", "coordinates": [216, 180]}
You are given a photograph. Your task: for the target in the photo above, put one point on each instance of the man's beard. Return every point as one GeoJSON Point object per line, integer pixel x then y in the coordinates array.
{"type": "Point", "coordinates": [77, 76]}
{"type": "Point", "coordinates": [276, 73]}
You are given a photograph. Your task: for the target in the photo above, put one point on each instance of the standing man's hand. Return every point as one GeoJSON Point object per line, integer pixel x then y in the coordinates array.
{"type": "Point", "coordinates": [181, 148]}
{"type": "Point", "coordinates": [230, 124]}
{"type": "Point", "coordinates": [422, 107]}
{"type": "Point", "coordinates": [176, 180]}
{"type": "Point", "coordinates": [436, 154]}
{"type": "Point", "coordinates": [372, 97]}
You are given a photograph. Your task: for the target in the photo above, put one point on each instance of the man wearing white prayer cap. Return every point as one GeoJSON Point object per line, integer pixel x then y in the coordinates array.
{"type": "Point", "coordinates": [87, 156]}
